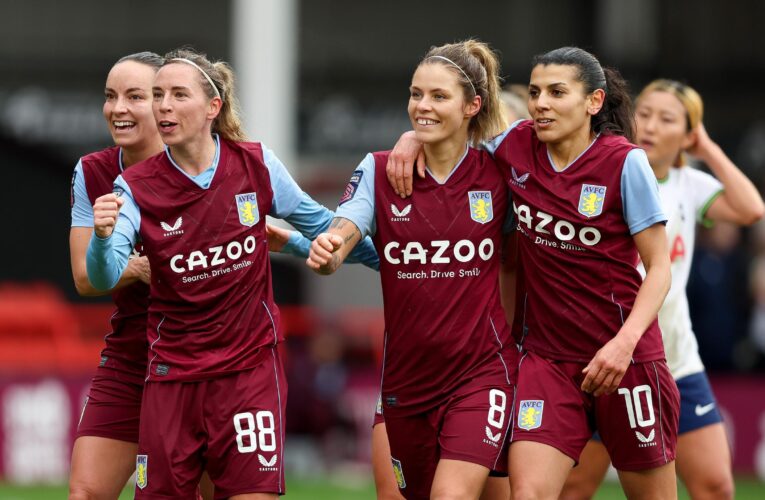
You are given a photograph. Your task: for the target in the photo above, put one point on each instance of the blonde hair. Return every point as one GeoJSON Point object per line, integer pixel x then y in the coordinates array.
{"type": "Point", "coordinates": [515, 97]}
{"type": "Point", "coordinates": [228, 123]}
{"type": "Point", "coordinates": [688, 97]}
{"type": "Point", "coordinates": [477, 68]}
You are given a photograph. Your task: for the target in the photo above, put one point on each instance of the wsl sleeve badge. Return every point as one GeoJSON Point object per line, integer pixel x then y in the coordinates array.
{"type": "Point", "coordinates": [247, 206]}
{"type": "Point", "coordinates": [481, 209]}
{"type": "Point", "coordinates": [350, 189]}
{"type": "Point", "coordinates": [142, 471]}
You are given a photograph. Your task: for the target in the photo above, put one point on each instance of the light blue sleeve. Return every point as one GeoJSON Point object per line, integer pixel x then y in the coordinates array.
{"type": "Point", "coordinates": [312, 219]}
{"type": "Point", "coordinates": [287, 194]}
{"type": "Point", "coordinates": [492, 145]}
{"type": "Point", "coordinates": [364, 253]}
{"type": "Point", "coordinates": [358, 202]}
{"type": "Point", "coordinates": [82, 210]}
{"type": "Point", "coordinates": [107, 258]}
{"type": "Point", "coordinates": [640, 193]}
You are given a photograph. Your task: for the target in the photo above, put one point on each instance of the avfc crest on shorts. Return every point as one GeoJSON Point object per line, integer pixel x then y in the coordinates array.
{"type": "Point", "coordinates": [142, 471]}
{"type": "Point", "coordinates": [530, 414]}
{"type": "Point", "coordinates": [247, 205]}
{"type": "Point", "coordinates": [398, 472]}
{"type": "Point", "coordinates": [591, 200]}
{"type": "Point", "coordinates": [481, 209]}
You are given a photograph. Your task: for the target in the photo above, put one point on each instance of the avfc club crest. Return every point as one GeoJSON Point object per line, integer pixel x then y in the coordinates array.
{"type": "Point", "coordinates": [142, 471]}
{"type": "Point", "coordinates": [481, 209]}
{"type": "Point", "coordinates": [530, 414]}
{"type": "Point", "coordinates": [247, 206]}
{"type": "Point", "coordinates": [398, 472]}
{"type": "Point", "coordinates": [591, 200]}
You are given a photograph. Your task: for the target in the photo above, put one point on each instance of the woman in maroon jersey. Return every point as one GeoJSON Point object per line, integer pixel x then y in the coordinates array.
{"type": "Point", "coordinates": [587, 207]}
{"type": "Point", "coordinates": [103, 457]}
{"type": "Point", "coordinates": [215, 391]}
{"type": "Point", "coordinates": [447, 385]}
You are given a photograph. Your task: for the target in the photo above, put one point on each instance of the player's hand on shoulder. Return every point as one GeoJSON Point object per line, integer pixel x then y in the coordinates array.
{"type": "Point", "coordinates": [321, 253]}
{"type": "Point", "coordinates": [401, 162]}
{"type": "Point", "coordinates": [106, 209]}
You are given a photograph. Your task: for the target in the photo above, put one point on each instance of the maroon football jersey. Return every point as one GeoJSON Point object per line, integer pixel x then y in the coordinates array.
{"type": "Point", "coordinates": [578, 257]}
{"type": "Point", "coordinates": [439, 265]}
{"type": "Point", "coordinates": [211, 298]}
{"type": "Point", "coordinates": [126, 344]}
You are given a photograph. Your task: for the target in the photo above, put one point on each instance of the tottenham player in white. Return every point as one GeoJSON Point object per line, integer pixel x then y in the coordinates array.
{"type": "Point", "coordinates": [669, 124]}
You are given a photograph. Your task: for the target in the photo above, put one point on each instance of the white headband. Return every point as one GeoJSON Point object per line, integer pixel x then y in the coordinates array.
{"type": "Point", "coordinates": [207, 77]}
{"type": "Point", "coordinates": [456, 66]}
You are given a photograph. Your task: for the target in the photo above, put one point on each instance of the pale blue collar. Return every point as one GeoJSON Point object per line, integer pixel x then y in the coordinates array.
{"type": "Point", "coordinates": [203, 179]}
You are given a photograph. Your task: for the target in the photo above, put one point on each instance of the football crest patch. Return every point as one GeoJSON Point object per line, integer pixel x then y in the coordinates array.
{"type": "Point", "coordinates": [398, 471]}
{"type": "Point", "coordinates": [530, 414]}
{"type": "Point", "coordinates": [142, 471]}
{"type": "Point", "coordinates": [353, 184]}
{"type": "Point", "coordinates": [591, 200]}
{"type": "Point", "coordinates": [247, 206]}
{"type": "Point", "coordinates": [481, 209]}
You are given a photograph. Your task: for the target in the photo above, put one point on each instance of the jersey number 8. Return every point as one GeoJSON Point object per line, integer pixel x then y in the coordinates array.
{"type": "Point", "coordinates": [262, 435]}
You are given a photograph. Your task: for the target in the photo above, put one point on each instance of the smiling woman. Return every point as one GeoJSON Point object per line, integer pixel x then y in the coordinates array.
{"type": "Point", "coordinates": [448, 371]}
{"type": "Point", "coordinates": [587, 206]}
{"type": "Point", "coordinates": [103, 457]}
{"type": "Point", "coordinates": [199, 210]}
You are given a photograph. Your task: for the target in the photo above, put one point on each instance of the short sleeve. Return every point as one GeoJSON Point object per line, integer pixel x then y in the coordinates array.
{"type": "Point", "coordinates": [82, 210]}
{"type": "Point", "coordinates": [358, 201]}
{"type": "Point", "coordinates": [704, 190]}
{"type": "Point", "coordinates": [287, 194]}
{"type": "Point", "coordinates": [640, 193]}
{"type": "Point", "coordinates": [129, 220]}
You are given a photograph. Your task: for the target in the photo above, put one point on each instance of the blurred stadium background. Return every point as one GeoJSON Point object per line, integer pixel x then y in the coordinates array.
{"type": "Point", "coordinates": [322, 82]}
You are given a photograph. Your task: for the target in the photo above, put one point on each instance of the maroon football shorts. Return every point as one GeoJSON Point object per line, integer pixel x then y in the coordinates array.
{"type": "Point", "coordinates": [233, 426]}
{"type": "Point", "coordinates": [472, 425]}
{"type": "Point", "coordinates": [637, 423]}
{"type": "Point", "coordinates": [113, 406]}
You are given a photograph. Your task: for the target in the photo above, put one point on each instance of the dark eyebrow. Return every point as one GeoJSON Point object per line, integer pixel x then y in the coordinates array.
{"type": "Point", "coordinates": [563, 84]}
{"type": "Point", "coordinates": [134, 89]}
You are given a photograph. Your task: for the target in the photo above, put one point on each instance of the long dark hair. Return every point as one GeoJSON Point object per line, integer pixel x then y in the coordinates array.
{"type": "Point", "coordinates": [616, 116]}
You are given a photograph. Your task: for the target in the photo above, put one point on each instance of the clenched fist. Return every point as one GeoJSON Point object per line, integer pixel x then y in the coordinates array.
{"type": "Point", "coordinates": [106, 209]}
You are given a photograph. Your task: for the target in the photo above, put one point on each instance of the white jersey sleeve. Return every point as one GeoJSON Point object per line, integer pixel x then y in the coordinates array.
{"type": "Point", "coordinates": [704, 190]}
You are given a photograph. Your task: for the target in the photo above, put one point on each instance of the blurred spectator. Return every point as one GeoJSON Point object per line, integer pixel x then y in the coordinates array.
{"type": "Point", "coordinates": [515, 97]}
{"type": "Point", "coordinates": [757, 288]}
{"type": "Point", "coordinates": [718, 295]}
